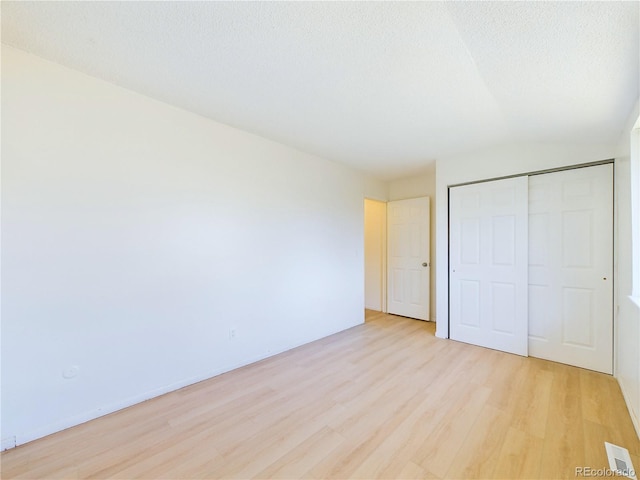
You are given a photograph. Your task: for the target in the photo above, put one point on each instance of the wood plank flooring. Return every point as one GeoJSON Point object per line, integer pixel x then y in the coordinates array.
{"type": "Point", "coordinates": [382, 400]}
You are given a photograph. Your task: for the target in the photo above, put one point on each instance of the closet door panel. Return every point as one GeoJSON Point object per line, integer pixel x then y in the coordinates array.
{"type": "Point", "coordinates": [488, 264]}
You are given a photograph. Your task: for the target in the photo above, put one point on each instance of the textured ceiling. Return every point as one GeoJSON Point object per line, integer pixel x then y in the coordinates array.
{"type": "Point", "coordinates": [386, 87]}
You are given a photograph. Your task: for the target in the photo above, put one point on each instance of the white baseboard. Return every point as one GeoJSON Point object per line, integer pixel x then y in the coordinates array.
{"type": "Point", "coordinates": [11, 441]}
{"type": "Point", "coordinates": [8, 442]}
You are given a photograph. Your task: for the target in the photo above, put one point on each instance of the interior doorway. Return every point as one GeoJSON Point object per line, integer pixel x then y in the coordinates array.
{"type": "Point", "coordinates": [375, 255]}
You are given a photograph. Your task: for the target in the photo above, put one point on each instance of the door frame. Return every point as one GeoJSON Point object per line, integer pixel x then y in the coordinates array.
{"type": "Point", "coordinates": [384, 252]}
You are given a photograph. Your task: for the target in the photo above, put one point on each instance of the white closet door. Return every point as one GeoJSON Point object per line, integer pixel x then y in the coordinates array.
{"type": "Point", "coordinates": [488, 264]}
{"type": "Point", "coordinates": [408, 257]}
{"type": "Point", "coordinates": [571, 267]}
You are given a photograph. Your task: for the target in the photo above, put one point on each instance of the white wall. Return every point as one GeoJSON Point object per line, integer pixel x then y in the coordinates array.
{"type": "Point", "coordinates": [413, 187]}
{"type": "Point", "coordinates": [627, 352]}
{"type": "Point", "coordinates": [627, 328]}
{"type": "Point", "coordinates": [376, 189]}
{"type": "Point", "coordinates": [492, 163]}
{"type": "Point", "coordinates": [375, 252]}
{"type": "Point", "coordinates": [136, 234]}
{"type": "Point", "coordinates": [422, 186]}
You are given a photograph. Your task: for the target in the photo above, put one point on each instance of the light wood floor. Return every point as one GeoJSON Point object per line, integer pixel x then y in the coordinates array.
{"type": "Point", "coordinates": [382, 400]}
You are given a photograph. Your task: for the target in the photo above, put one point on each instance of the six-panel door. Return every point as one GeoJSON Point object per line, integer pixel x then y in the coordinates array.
{"type": "Point", "coordinates": [571, 267]}
{"type": "Point", "coordinates": [488, 264]}
{"type": "Point", "coordinates": [408, 263]}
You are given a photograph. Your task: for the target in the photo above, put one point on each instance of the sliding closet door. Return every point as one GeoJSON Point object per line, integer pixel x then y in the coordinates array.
{"type": "Point", "coordinates": [488, 264]}
{"type": "Point", "coordinates": [571, 267]}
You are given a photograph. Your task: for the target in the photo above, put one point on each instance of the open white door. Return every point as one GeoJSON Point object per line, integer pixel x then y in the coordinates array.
{"type": "Point", "coordinates": [488, 264]}
{"type": "Point", "coordinates": [571, 267]}
{"type": "Point", "coordinates": [408, 264]}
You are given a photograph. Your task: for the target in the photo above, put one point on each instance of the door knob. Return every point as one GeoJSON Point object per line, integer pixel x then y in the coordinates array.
{"type": "Point", "coordinates": [425, 264]}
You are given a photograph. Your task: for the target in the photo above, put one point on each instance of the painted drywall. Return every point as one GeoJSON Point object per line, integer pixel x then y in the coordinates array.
{"type": "Point", "coordinates": [375, 251]}
{"type": "Point", "coordinates": [376, 189]}
{"type": "Point", "coordinates": [135, 235]}
{"type": "Point", "coordinates": [627, 326]}
{"type": "Point", "coordinates": [422, 186]}
{"type": "Point", "coordinates": [413, 187]}
{"type": "Point", "coordinates": [627, 347]}
{"type": "Point", "coordinates": [496, 162]}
